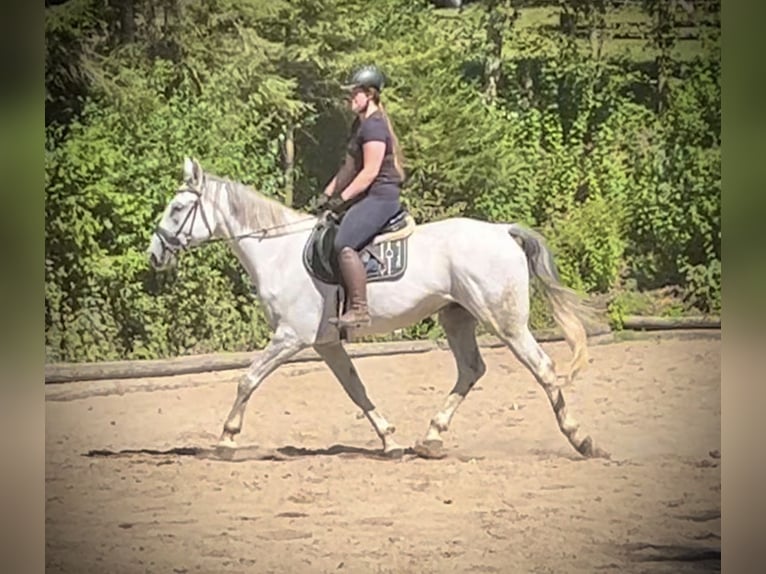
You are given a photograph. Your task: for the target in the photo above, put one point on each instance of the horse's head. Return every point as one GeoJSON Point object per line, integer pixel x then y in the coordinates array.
{"type": "Point", "coordinates": [186, 221]}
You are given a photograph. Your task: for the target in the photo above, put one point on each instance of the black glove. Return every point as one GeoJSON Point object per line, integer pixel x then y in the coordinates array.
{"type": "Point", "coordinates": [335, 203]}
{"type": "Point", "coordinates": [318, 204]}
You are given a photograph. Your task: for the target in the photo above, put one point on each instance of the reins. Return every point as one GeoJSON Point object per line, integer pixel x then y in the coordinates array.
{"type": "Point", "coordinates": [262, 232]}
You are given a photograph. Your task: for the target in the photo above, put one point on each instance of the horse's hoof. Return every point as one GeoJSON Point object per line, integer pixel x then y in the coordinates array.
{"type": "Point", "coordinates": [430, 449]}
{"type": "Point", "coordinates": [226, 443]}
{"type": "Point", "coordinates": [226, 448]}
{"type": "Point", "coordinates": [394, 453]}
{"type": "Point", "coordinates": [562, 381]}
{"type": "Point", "coordinates": [589, 450]}
{"type": "Point", "coordinates": [601, 453]}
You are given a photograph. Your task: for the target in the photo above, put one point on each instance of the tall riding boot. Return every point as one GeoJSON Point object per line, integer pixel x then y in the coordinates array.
{"type": "Point", "coordinates": [355, 281]}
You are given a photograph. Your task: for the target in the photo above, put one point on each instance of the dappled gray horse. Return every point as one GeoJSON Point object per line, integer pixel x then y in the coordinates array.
{"type": "Point", "coordinates": [467, 271]}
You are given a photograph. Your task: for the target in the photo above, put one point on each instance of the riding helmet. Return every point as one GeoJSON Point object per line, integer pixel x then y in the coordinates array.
{"type": "Point", "coordinates": [366, 77]}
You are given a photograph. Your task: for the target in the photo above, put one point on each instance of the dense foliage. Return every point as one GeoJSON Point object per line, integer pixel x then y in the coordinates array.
{"type": "Point", "coordinates": [505, 112]}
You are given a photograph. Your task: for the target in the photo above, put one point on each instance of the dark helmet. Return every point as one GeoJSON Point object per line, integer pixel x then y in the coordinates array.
{"type": "Point", "coordinates": [366, 77]}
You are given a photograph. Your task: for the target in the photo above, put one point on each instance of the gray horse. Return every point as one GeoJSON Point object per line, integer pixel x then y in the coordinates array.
{"type": "Point", "coordinates": [466, 271]}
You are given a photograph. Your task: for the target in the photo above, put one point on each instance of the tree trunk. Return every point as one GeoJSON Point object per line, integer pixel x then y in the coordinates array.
{"type": "Point", "coordinates": [597, 29]}
{"type": "Point", "coordinates": [500, 17]}
{"type": "Point", "coordinates": [289, 165]}
{"type": "Point", "coordinates": [127, 22]}
{"type": "Point", "coordinates": [664, 40]}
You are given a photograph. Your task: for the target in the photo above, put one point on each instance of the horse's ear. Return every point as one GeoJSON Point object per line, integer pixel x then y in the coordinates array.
{"type": "Point", "coordinates": [188, 169]}
{"type": "Point", "coordinates": [192, 170]}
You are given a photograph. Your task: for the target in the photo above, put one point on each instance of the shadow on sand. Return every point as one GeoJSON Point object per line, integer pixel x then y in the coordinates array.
{"type": "Point", "coordinates": [247, 453]}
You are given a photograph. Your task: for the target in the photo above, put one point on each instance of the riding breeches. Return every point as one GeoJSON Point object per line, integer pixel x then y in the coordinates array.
{"type": "Point", "coordinates": [364, 220]}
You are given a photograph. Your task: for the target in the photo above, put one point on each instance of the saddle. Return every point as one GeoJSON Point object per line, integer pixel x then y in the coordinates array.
{"type": "Point", "coordinates": [384, 256]}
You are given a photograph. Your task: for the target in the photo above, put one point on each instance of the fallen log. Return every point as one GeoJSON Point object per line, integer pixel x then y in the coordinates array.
{"type": "Point", "coordinates": [640, 323]}
{"type": "Point", "coordinates": [108, 370]}
{"type": "Point", "coordinates": [86, 388]}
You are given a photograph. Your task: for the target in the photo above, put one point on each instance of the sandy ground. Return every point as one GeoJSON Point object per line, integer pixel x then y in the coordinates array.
{"type": "Point", "coordinates": [308, 493]}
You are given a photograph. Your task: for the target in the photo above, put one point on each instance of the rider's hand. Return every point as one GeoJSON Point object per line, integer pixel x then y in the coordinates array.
{"type": "Point", "coordinates": [318, 204]}
{"type": "Point", "coordinates": [336, 203]}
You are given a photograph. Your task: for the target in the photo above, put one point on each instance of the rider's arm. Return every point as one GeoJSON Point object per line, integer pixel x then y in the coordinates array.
{"type": "Point", "coordinates": [373, 152]}
{"type": "Point", "coordinates": [344, 174]}
{"type": "Point", "coordinates": [330, 186]}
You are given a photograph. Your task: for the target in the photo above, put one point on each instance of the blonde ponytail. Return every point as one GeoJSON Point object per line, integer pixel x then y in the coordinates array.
{"type": "Point", "coordinates": [398, 155]}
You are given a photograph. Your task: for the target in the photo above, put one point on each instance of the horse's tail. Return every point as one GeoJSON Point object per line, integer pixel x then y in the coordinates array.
{"type": "Point", "coordinates": [565, 303]}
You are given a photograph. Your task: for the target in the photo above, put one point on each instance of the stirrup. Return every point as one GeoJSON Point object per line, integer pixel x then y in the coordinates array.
{"type": "Point", "coordinates": [342, 323]}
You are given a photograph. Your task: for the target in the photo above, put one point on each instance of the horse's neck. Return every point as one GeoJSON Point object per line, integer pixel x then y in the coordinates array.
{"type": "Point", "coordinates": [245, 211]}
{"type": "Point", "coordinates": [271, 227]}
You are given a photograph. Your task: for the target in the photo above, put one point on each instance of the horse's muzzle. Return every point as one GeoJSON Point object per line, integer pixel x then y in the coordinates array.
{"type": "Point", "coordinates": [159, 257]}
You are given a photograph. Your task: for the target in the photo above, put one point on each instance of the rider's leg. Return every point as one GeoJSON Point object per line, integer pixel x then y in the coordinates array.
{"type": "Point", "coordinates": [358, 227]}
{"type": "Point", "coordinates": [355, 280]}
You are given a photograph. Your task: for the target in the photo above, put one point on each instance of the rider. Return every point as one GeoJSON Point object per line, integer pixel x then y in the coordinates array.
{"type": "Point", "coordinates": [369, 181]}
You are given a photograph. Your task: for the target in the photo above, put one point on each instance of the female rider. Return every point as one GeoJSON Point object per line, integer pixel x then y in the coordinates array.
{"type": "Point", "coordinates": [370, 180]}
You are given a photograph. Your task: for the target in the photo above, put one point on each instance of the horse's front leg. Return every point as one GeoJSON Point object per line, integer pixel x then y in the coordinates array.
{"type": "Point", "coordinates": [282, 346]}
{"type": "Point", "coordinates": [335, 356]}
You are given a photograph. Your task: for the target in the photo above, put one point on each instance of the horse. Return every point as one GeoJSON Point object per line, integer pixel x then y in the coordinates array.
{"type": "Point", "coordinates": [464, 270]}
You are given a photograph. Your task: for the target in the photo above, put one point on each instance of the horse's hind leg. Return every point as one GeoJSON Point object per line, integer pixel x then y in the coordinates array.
{"type": "Point", "coordinates": [460, 328]}
{"type": "Point", "coordinates": [520, 340]}
{"type": "Point", "coordinates": [335, 356]}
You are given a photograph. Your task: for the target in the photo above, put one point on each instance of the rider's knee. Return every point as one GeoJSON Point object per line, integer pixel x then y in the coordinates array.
{"type": "Point", "coordinates": [341, 246]}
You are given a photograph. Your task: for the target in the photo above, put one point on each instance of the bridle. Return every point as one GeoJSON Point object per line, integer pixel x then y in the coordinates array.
{"type": "Point", "coordinates": [176, 242]}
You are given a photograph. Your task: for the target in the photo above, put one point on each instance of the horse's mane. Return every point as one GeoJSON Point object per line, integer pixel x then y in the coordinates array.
{"type": "Point", "coordinates": [250, 208]}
